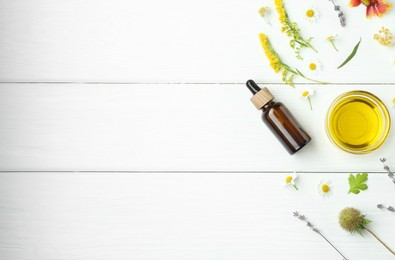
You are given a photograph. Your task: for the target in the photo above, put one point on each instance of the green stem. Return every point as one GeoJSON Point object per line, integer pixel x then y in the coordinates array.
{"type": "Point", "coordinates": [297, 72]}
{"type": "Point", "coordinates": [313, 80]}
{"type": "Point", "coordinates": [311, 107]}
{"type": "Point", "coordinates": [344, 258]}
{"type": "Point", "coordinates": [289, 68]}
{"type": "Point", "coordinates": [301, 43]}
{"type": "Point", "coordinates": [317, 81]}
{"type": "Point", "coordinates": [296, 188]}
{"type": "Point", "coordinates": [306, 44]}
{"type": "Point", "coordinates": [334, 46]}
{"type": "Point", "coordinates": [311, 47]}
{"type": "Point", "coordinates": [378, 239]}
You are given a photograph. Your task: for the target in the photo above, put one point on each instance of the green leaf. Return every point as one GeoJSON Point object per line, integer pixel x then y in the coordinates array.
{"type": "Point", "coordinates": [357, 182]}
{"type": "Point", "coordinates": [365, 221]}
{"type": "Point", "coordinates": [354, 51]}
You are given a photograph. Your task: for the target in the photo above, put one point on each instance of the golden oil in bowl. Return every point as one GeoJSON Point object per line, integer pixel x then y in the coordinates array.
{"type": "Point", "coordinates": [358, 122]}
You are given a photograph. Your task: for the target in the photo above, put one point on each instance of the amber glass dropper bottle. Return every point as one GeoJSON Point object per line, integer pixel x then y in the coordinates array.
{"type": "Point", "coordinates": [279, 119]}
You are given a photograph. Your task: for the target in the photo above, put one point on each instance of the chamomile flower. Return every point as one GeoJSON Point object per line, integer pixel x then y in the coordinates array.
{"type": "Point", "coordinates": [313, 67]}
{"type": "Point", "coordinates": [290, 180]}
{"type": "Point", "coordinates": [306, 93]}
{"type": "Point", "coordinates": [331, 39]}
{"type": "Point", "coordinates": [311, 14]}
{"type": "Point", "coordinates": [325, 188]}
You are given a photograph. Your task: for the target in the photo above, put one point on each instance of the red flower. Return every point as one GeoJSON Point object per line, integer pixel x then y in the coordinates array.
{"type": "Point", "coordinates": [373, 7]}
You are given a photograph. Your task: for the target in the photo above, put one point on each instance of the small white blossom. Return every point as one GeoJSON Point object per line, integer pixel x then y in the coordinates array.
{"type": "Point", "coordinates": [313, 67]}
{"type": "Point", "coordinates": [311, 14]}
{"type": "Point", "coordinates": [325, 188]}
{"type": "Point", "coordinates": [290, 180]}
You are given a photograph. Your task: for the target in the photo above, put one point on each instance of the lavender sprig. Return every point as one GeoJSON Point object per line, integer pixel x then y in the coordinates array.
{"type": "Point", "coordinates": [390, 208]}
{"type": "Point", "coordinates": [311, 226]}
{"type": "Point", "coordinates": [387, 169]}
{"type": "Point", "coordinates": [340, 14]}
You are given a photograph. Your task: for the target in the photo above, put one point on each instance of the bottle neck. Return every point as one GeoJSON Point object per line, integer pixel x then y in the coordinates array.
{"type": "Point", "coordinates": [268, 105]}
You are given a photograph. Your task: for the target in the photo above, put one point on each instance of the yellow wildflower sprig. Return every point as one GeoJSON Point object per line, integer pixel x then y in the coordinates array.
{"type": "Point", "coordinates": [287, 72]}
{"type": "Point", "coordinates": [292, 30]}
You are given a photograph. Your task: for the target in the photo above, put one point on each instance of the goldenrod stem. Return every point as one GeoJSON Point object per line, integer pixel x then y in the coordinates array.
{"type": "Point", "coordinates": [311, 47]}
{"type": "Point", "coordinates": [321, 82]}
{"type": "Point", "coordinates": [378, 239]}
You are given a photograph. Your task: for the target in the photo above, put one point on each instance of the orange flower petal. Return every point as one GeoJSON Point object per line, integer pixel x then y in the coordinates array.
{"type": "Point", "coordinates": [354, 3]}
{"type": "Point", "coordinates": [370, 11]}
{"type": "Point", "coordinates": [383, 7]}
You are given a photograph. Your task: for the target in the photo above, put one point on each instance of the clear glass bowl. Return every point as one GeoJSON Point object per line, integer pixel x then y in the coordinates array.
{"type": "Point", "coordinates": [358, 122]}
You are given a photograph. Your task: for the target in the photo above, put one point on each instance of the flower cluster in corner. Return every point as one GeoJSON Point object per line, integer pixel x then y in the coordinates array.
{"type": "Point", "coordinates": [373, 7]}
{"type": "Point", "coordinates": [350, 219]}
{"type": "Point", "coordinates": [292, 30]}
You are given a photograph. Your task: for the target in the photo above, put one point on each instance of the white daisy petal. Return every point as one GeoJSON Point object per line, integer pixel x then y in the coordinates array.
{"type": "Point", "coordinates": [311, 14]}
{"type": "Point", "coordinates": [325, 188]}
{"type": "Point", "coordinates": [290, 180]}
{"type": "Point", "coordinates": [313, 67]}
{"type": "Point", "coordinates": [306, 93]}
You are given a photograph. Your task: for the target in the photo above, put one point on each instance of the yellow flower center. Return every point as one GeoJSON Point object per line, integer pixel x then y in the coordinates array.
{"type": "Point", "coordinates": [366, 2]}
{"type": "Point", "coordinates": [325, 188]}
{"type": "Point", "coordinates": [310, 13]}
{"type": "Point", "coordinates": [305, 94]}
{"type": "Point", "coordinates": [312, 66]}
{"type": "Point", "coordinates": [288, 179]}
{"type": "Point", "coordinates": [330, 38]}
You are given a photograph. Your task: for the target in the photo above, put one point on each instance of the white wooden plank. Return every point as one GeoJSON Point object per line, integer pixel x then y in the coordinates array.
{"type": "Point", "coordinates": [176, 41]}
{"type": "Point", "coordinates": [166, 127]}
{"type": "Point", "coordinates": [184, 216]}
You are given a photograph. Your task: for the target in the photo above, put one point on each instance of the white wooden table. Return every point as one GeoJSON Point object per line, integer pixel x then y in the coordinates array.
{"type": "Point", "coordinates": [126, 132]}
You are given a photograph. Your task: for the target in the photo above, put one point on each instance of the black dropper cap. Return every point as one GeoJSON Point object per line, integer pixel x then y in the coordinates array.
{"type": "Point", "coordinates": [252, 86]}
